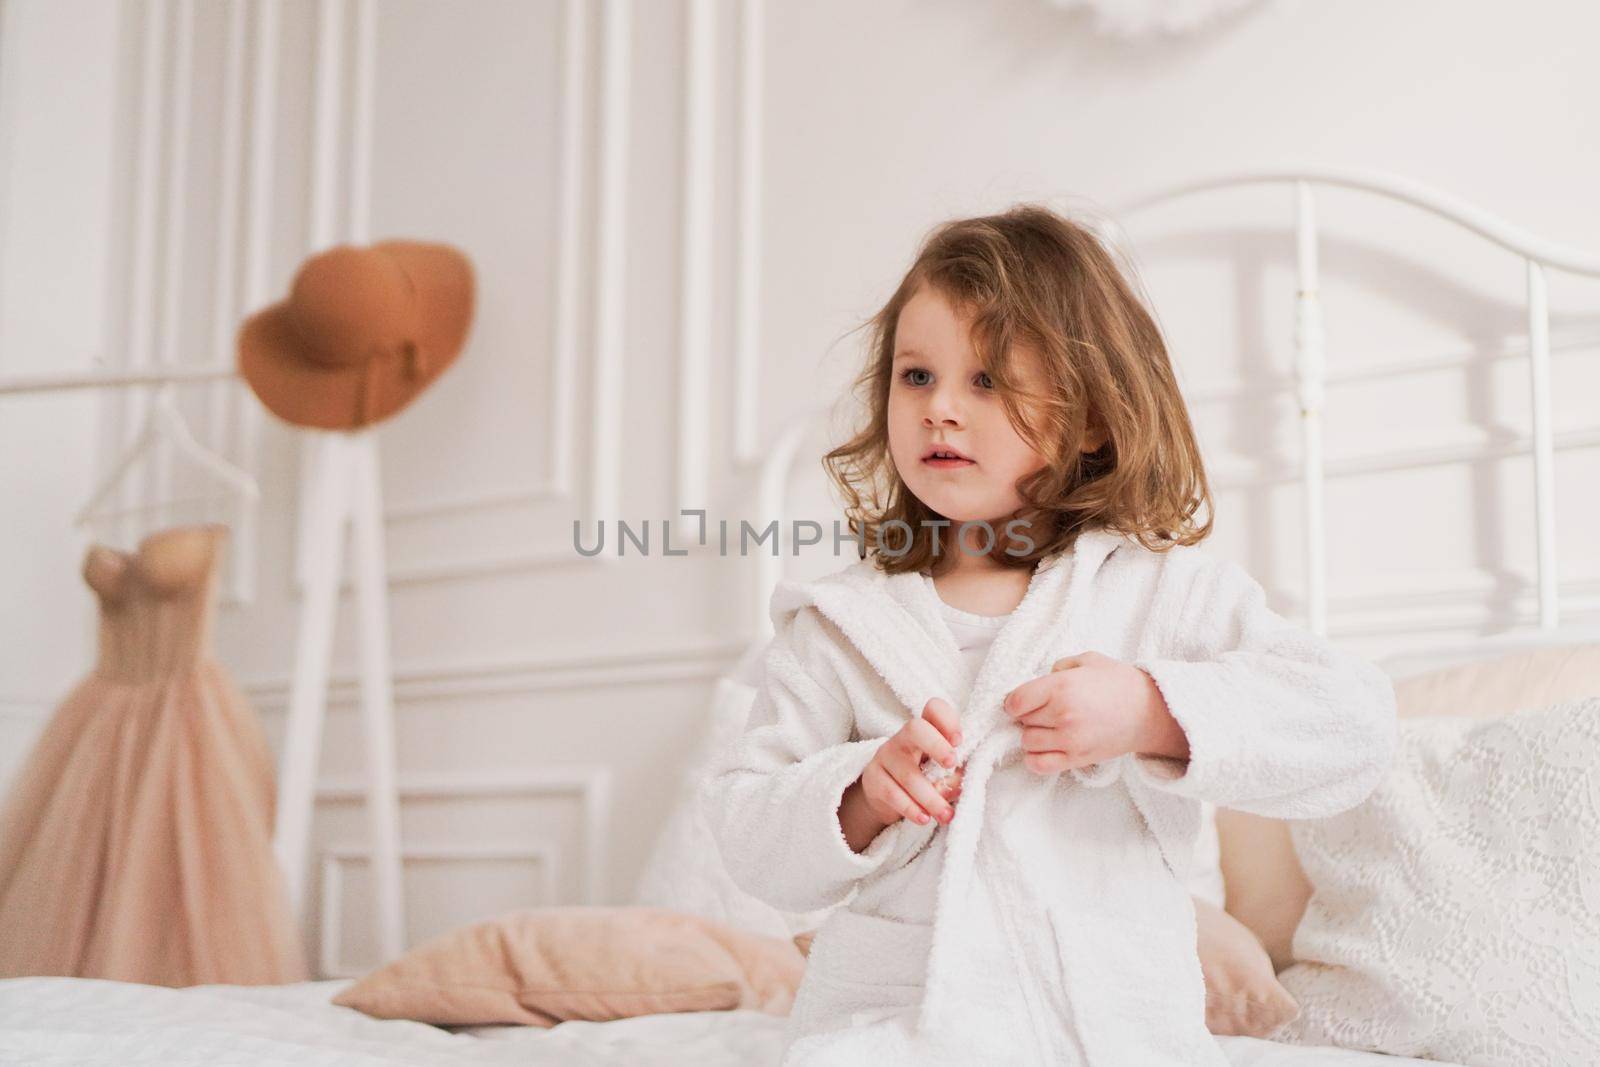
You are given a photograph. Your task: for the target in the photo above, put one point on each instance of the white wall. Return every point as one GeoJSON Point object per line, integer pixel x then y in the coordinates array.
{"type": "Point", "coordinates": [57, 110]}
{"type": "Point", "coordinates": [513, 656]}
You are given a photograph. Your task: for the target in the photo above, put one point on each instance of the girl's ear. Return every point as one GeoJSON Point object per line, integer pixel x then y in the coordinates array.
{"type": "Point", "coordinates": [1093, 437]}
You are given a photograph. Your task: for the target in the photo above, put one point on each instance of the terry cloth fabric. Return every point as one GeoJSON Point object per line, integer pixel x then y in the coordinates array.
{"type": "Point", "coordinates": [1060, 929]}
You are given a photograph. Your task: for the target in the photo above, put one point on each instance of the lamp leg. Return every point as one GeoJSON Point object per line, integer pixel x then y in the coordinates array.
{"type": "Point", "coordinates": [377, 693]}
{"type": "Point", "coordinates": [322, 547]}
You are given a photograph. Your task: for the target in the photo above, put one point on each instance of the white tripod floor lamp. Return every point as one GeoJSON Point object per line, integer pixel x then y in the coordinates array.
{"type": "Point", "coordinates": [344, 487]}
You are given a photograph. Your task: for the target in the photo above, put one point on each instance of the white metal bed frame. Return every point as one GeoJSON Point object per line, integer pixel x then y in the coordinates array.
{"type": "Point", "coordinates": [1310, 366]}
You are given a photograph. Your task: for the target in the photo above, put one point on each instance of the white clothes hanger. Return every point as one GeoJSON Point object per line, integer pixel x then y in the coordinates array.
{"type": "Point", "coordinates": [164, 423]}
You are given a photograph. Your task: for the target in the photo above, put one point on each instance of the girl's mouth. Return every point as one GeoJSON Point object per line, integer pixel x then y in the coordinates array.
{"type": "Point", "coordinates": [944, 459]}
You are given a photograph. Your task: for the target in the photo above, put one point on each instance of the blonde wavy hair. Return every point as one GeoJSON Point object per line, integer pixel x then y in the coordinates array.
{"type": "Point", "coordinates": [1033, 280]}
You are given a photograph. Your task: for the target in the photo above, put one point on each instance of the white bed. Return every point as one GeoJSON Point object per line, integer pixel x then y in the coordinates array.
{"type": "Point", "coordinates": [45, 1021]}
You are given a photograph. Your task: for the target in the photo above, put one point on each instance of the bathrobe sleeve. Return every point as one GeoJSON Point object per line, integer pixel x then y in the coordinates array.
{"type": "Point", "coordinates": [772, 798]}
{"type": "Point", "coordinates": [1280, 722]}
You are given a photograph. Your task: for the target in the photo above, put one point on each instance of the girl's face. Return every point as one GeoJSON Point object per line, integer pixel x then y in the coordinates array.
{"type": "Point", "coordinates": [940, 398]}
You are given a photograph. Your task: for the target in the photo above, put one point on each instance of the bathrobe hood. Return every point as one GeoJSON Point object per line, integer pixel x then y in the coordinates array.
{"type": "Point", "coordinates": [1042, 948]}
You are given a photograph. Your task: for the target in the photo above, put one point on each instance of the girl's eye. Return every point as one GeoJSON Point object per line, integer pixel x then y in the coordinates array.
{"type": "Point", "coordinates": [905, 376]}
{"type": "Point", "coordinates": [984, 380]}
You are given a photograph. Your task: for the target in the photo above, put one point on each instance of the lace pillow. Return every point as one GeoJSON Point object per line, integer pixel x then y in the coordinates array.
{"type": "Point", "coordinates": [1456, 911]}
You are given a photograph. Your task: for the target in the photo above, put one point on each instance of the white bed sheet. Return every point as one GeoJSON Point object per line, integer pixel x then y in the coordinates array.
{"type": "Point", "coordinates": [53, 1022]}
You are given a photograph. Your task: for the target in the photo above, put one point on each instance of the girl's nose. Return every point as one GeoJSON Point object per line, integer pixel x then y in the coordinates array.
{"type": "Point", "coordinates": [942, 410]}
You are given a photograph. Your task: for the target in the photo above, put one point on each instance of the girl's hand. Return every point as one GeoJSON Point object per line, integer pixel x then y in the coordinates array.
{"type": "Point", "coordinates": [1088, 709]}
{"type": "Point", "coordinates": [893, 784]}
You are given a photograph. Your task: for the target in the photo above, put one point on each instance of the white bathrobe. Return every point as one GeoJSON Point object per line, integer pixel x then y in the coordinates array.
{"type": "Point", "coordinates": [1052, 924]}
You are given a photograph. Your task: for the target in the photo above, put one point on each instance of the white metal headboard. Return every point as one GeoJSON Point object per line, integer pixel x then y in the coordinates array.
{"type": "Point", "coordinates": [1310, 373]}
{"type": "Point", "coordinates": [772, 502]}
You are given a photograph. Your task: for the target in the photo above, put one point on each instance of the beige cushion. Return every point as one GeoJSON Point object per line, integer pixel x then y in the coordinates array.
{"type": "Point", "coordinates": [1243, 996]}
{"type": "Point", "coordinates": [1264, 886]}
{"type": "Point", "coordinates": [547, 965]}
{"type": "Point", "coordinates": [1500, 686]}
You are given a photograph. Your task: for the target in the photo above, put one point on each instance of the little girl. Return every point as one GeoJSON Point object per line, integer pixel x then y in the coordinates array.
{"type": "Point", "coordinates": [985, 744]}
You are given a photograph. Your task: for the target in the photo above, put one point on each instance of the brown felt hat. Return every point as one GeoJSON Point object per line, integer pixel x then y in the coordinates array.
{"type": "Point", "coordinates": [361, 334]}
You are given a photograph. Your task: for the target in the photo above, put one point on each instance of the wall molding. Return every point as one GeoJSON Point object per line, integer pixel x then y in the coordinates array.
{"type": "Point", "coordinates": [1455, 600]}
{"type": "Point", "coordinates": [333, 859]}
{"type": "Point", "coordinates": [694, 461]}
{"type": "Point", "coordinates": [162, 124]}
{"type": "Point", "coordinates": [556, 482]}
{"type": "Point", "coordinates": [574, 205]}
{"type": "Point", "coordinates": [610, 311]}
{"type": "Point", "coordinates": [611, 260]}
{"type": "Point", "coordinates": [328, 89]}
{"type": "Point", "coordinates": [747, 298]}
{"type": "Point", "coordinates": [700, 661]}
{"type": "Point", "coordinates": [464, 503]}
{"type": "Point", "coordinates": [491, 565]}
{"type": "Point", "coordinates": [486, 566]}
{"type": "Point", "coordinates": [696, 226]}
{"type": "Point", "coordinates": [588, 785]}
{"type": "Point", "coordinates": [224, 398]}
{"type": "Point", "coordinates": [140, 292]}
{"type": "Point", "coordinates": [174, 232]}
{"type": "Point", "coordinates": [255, 291]}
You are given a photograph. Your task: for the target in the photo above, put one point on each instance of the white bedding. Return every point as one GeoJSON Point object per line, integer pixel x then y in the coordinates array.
{"type": "Point", "coordinates": [47, 1022]}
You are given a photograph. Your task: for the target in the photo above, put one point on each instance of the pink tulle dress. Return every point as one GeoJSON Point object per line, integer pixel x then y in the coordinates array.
{"type": "Point", "coordinates": [136, 840]}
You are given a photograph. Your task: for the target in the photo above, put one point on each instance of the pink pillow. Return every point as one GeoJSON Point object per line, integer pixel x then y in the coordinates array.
{"type": "Point", "coordinates": [1505, 684]}
{"type": "Point", "coordinates": [546, 965]}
